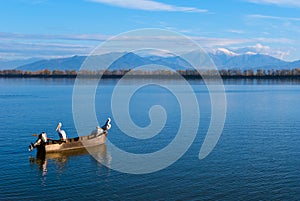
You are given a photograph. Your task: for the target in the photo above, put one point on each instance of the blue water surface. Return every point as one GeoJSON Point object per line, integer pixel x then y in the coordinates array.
{"type": "Point", "coordinates": [256, 158]}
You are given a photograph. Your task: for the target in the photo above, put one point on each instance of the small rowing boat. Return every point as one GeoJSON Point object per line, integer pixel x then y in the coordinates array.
{"type": "Point", "coordinates": [72, 143]}
{"type": "Point", "coordinates": [47, 145]}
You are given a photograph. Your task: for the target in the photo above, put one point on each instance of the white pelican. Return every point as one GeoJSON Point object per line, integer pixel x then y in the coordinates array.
{"type": "Point", "coordinates": [62, 134]}
{"type": "Point", "coordinates": [97, 131]}
{"type": "Point", "coordinates": [107, 125]}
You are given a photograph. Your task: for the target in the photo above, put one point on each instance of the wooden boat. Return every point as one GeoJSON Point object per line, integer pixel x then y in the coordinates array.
{"type": "Point", "coordinates": [70, 144]}
{"type": "Point", "coordinates": [95, 150]}
{"type": "Point", "coordinates": [47, 145]}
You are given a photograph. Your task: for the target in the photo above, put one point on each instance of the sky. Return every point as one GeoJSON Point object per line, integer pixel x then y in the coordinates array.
{"type": "Point", "coordinates": [62, 28]}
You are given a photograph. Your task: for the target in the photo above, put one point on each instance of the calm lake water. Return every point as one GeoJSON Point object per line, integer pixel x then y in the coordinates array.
{"type": "Point", "coordinates": [256, 158]}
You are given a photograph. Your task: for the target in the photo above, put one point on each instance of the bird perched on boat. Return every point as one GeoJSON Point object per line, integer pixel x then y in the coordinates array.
{"type": "Point", "coordinates": [97, 131]}
{"type": "Point", "coordinates": [62, 134]}
{"type": "Point", "coordinates": [107, 125]}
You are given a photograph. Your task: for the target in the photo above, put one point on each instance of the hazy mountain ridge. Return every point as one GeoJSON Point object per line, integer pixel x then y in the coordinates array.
{"type": "Point", "coordinates": [69, 63]}
{"type": "Point", "coordinates": [223, 59]}
{"type": "Point", "coordinates": [16, 63]}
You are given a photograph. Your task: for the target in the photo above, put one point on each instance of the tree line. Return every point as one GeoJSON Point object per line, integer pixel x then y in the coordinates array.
{"type": "Point", "coordinates": [225, 73]}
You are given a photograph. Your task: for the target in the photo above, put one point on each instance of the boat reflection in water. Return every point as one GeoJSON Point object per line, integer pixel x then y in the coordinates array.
{"type": "Point", "coordinates": [98, 153]}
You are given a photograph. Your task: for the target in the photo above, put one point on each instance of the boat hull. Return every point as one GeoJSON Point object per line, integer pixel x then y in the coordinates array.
{"type": "Point", "coordinates": [73, 143]}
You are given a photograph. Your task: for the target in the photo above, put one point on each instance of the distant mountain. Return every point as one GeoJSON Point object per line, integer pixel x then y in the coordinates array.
{"type": "Point", "coordinates": [70, 63]}
{"type": "Point", "coordinates": [295, 64]}
{"type": "Point", "coordinates": [174, 62]}
{"type": "Point", "coordinates": [248, 61]}
{"type": "Point", "coordinates": [226, 59]}
{"type": "Point", "coordinates": [129, 61]}
{"type": "Point", "coordinates": [15, 63]}
{"type": "Point", "coordinates": [223, 59]}
{"type": "Point", "coordinates": [124, 61]}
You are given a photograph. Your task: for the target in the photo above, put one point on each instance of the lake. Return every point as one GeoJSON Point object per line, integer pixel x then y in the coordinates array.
{"type": "Point", "coordinates": [256, 158]}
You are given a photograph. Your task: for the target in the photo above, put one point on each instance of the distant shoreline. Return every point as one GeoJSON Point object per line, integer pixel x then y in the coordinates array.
{"type": "Point", "coordinates": [196, 77]}
{"type": "Point", "coordinates": [161, 74]}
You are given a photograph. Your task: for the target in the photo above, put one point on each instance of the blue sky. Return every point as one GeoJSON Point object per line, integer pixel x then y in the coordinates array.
{"type": "Point", "coordinates": [57, 28]}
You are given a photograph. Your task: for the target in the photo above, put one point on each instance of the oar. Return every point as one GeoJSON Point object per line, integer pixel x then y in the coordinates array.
{"type": "Point", "coordinates": [36, 135]}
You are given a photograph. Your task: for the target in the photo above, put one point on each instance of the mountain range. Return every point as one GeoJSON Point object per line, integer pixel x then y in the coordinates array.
{"type": "Point", "coordinates": [223, 59]}
{"type": "Point", "coordinates": [4, 64]}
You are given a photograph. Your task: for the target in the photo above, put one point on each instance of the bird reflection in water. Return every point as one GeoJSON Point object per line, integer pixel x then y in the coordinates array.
{"type": "Point", "coordinates": [60, 158]}
{"type": "Point", "coordinates": [41, 161]}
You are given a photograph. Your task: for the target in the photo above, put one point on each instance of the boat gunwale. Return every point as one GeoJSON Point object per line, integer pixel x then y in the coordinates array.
{"type": "Point", "coordinates": [79, 143]}
{"type": "Point", "coordinates": [75, 139]}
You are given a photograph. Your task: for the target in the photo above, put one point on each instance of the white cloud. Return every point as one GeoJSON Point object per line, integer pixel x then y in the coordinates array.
{"type": "Point", "coordinates": [275, 40]}
{"type": "Point", "coordinates": [148, 5]}
{"type": "Point", "coordinates": [273, 17]}
{"type": "Point", "coordinates": [216, 42]}
{"type": "Point", "coordinates": [23, 46]}
{"type": "Point", "coordinates": [290, 3]}
{"type": "Point", "coordinates": [235, 31]}
{"type": "Point", "coordinates": [18, 45]}
{"type": "Point", "coordinates": [15, 36]}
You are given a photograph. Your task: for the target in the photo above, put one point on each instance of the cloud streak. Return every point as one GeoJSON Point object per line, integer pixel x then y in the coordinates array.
{"type": "Point", "coordinates": [22, 46]}
{"type": "Point", "coordinates": [273, 17]}
{"type": "Point", "coordinates": [148, 5]}
{"type": "Point", "coordinates": [289, 3]}
{"type": "Point", "coordinates": [87, 37]}
{"type": "Point", "coordinates": [13, 48]}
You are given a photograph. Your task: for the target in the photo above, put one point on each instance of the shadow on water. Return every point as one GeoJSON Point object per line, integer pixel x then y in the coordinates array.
{"type": "Point", "coordinates": [60, 159]}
